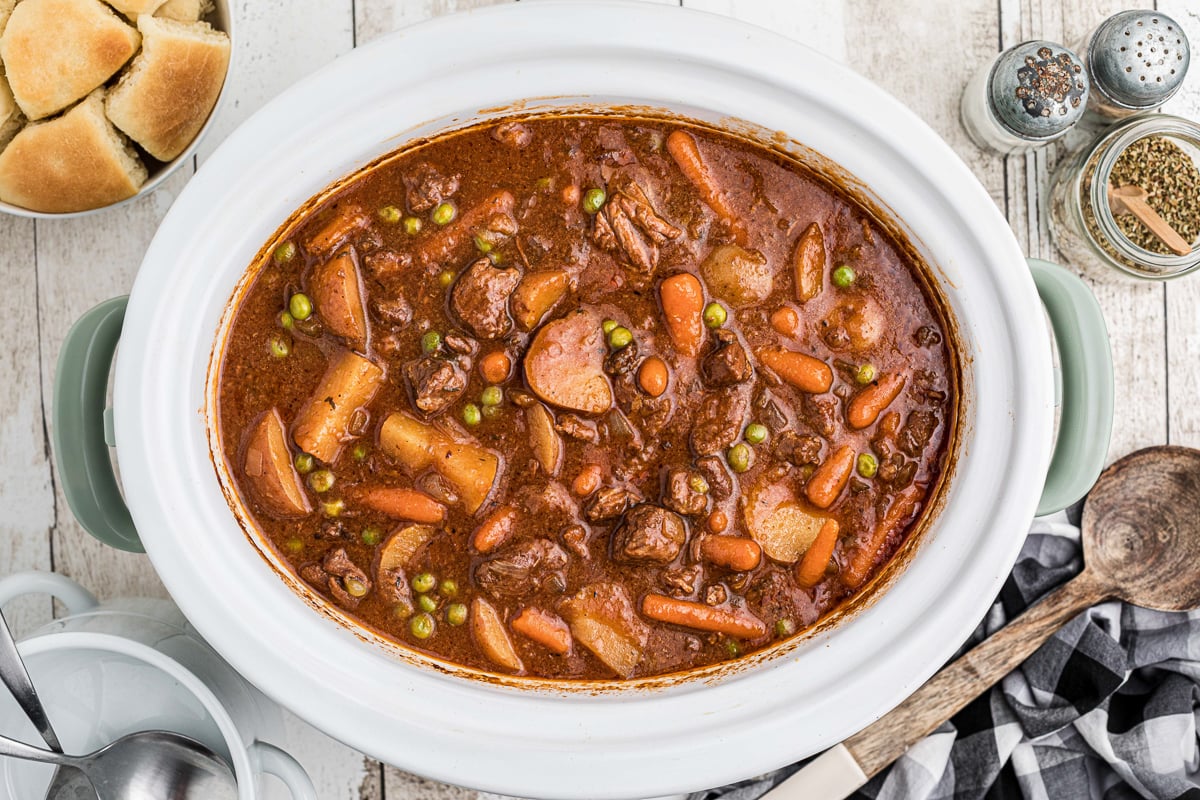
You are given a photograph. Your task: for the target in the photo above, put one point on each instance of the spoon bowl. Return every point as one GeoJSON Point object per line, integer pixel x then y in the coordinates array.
{"type": "Point", "coordinates": [1141, 529]}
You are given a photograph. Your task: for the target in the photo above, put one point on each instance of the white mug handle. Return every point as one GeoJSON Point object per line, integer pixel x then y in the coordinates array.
{"type": "Point", "coordinates": [284, 766]}
{"type": "Point", "coordinates": [76, 598]}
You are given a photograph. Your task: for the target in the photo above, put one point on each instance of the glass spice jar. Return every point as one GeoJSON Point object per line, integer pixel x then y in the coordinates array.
{"type": "Point", "coordinates": [1165, 160]}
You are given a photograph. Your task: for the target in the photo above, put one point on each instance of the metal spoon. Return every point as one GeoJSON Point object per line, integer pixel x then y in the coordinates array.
{"type": "Point", "coordinates": [1141, 544]}
{"type": "Point", "coordinates": [147, 765]}
{"type": "Point", "coordinates": [16, 679]}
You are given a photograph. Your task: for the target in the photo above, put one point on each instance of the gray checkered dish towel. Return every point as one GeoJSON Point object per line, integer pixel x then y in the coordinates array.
{"type": "Point", "coordinates": [1108, 708]}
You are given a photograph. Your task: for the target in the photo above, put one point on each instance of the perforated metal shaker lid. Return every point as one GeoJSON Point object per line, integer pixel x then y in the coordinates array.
{"type": "Point", "coordinates": [1138, 58]}
{"type": "Point", "coordinates": [1038, 89]}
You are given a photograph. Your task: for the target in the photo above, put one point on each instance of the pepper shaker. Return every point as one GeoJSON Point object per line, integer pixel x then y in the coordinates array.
{"type": "Point", "coordinates": [1136, 61]}
{"type": "Point", "coordinates": [1029, 96]}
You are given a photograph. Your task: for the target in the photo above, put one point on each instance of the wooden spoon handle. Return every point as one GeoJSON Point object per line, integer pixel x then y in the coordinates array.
{"type": "Point", "coordinates": [832, 775]}
{"type": "Point", "coordinates": [1157, 225]}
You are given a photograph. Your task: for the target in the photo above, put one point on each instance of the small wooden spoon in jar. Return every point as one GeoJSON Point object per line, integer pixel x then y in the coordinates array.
{"type": "Point", "coordinates": [1141, 544]}
{"type": "Point", "coordinates": [1132, 200]}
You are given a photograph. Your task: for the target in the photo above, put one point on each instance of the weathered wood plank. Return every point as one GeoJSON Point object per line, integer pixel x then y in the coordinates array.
{"type": "Point", "coordinates": [1183, 296]}
{"type": "Point", "coordinates": [26, 493]}
{"type": "Point", "coordinates": [1133, 311]}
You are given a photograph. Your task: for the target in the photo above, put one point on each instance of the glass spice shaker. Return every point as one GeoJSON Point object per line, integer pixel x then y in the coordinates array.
{"type": "Point", "coordinates": [1136, 61]}
{"type": "Point", "coordinates": [1159, 153]}
{"type": "Point", "coordinates": [1029, 96]}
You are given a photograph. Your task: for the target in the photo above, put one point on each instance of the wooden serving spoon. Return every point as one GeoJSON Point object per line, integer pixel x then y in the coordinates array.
{"type": "Point", "coordinates": [1132, 200]}
{"type": "Point", "coordinates": [1141, 544]}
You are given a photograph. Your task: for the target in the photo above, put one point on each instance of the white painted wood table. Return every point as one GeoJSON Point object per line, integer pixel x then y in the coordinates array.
{"type": "Point", "coordinates": [920, 50]}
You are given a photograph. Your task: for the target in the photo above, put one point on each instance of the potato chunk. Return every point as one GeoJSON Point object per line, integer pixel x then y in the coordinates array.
{"type": "Point", "coordinates": [537, 294]}
{"type": "Point", "coordinates": [270, 473]}
{"type": "Point", "coordinates": [471, 468]}
{"type": "Point", "coordinates": [322, 426]}
{"type": "Point", "coordinates": [492, 637]}
{"type": "Point", "coordinates": [781, 526]}
{"type": "Point", "coordinates": [565, 364]}
{"type": "Point", "coordinates": [602, 617]}
{"type": "Point", "coordinates": [336, 289]}
{"type": "Point", "coordinates": [738, 276]}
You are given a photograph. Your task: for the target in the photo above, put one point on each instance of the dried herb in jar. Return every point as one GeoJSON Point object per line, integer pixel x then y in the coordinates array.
{"type": "Point", "coordinates": [1171, 178]}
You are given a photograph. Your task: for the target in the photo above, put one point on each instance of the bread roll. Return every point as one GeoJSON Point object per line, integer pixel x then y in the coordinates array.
{"type": "Point", "coordinates": [6, 7]}
{"type": "Point", "coordinates": [164, 98]}
{"type": "Point", "coordinates": [134, 8]}
{"type": "Point", "coordinates": [56, 51]}
{"type": "Point", "coordinates": [183, 10]}
{"type": "Point", "coordinates": [72, 163]}
{"type": "Point", "coordinates": [11, 118]}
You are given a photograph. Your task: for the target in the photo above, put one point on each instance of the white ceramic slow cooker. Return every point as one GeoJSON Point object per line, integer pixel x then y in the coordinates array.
{"type": "Point", "coordinates": [520, 737]}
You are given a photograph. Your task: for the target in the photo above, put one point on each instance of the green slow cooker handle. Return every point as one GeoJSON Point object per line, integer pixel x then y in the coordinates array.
{"type": "Point", "coordinates": [1085, 421]}
{"type": "Point", "coordinates": [81, 446]}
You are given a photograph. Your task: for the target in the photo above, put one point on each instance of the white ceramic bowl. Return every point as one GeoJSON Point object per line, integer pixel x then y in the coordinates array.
{"type": "Point", "coordinates": [222, 19]}
{"type": "Point", "coordinates": [531, 740]}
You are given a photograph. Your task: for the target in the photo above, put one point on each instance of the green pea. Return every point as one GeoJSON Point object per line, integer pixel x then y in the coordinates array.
{"type": "Point", "coordinates": [284, 252]}
{"type": "Point", "coordinates": [390, 214]}
{"type": "Point", "coordinates": [868, 465]}
{"type": "Point", "coordinates": [542, 183]}
{"type": "Point", "coordinates": [280, 346]}
{"type": "Point", "coordinates": [286, 321]}
{"type": "Point", "coordinates": [355, 587]}
{"type": "Point", "coordinates": [360, 451]}
{"type": "Point", "coordinates": [864, 374]}
{"type": "Point", "coordinates": [491, 412]}
{"type": "Point", "coordinates": [608, 326]}
{"type": "Point", "coordinates": [471, 414]}
{"type": "Point", "coordinates": [431, 341]}
{"type": "Point", "coordinates": [619, 336]}
{"type": "Point", "coordinates": [495, 257]}
{"type": "Point", "coordinates": [449, 588]}
{"type": "Point", "coordinates": [456, 614]}
{"type": "Point", "coordinates": [294, 546]}
{"type": "Point", "coordinates": [733, 648]}
{"type": "Point", "coordinates": [715, 315]}
{"type": "Point", "coordinates": [785, 627]}
{"type": "Point", "coordinates": [300, 306]}
{"type": "Point", "coordinates": [756, 433]}
{"type": "Point", "coordinates": [424, 582]}
{"type": "Point", "coordinates": [492, 396]}
{"type": "Point", "coordinates": [426, 603]}
{"type": "Point", "coordinates": [371, 535]}
{"type": "Point", "coordinates": [482, 244]}
{"type": "Point", "coordinates": [698, 484]}
{"type": "Point", "coordinates": [422, 626]}
{"type": "Point", "coordinates": [304, 463]}
{"type": "Point", "coordinates": [321, 481]}
{"type": "Point", "coordinates": [444, 214]}
{"type": "Point", "coordinates": [593, 200]}
{"type": "Point", "coordinates": [412, 225]}
{"type": "Point", "coordinates": [402, 610]}
{"type": "Point", "coordinates": [844, 276]}
{"type": "Point", "coordinates": [739, 457]}
{"type": "Point", "coordinates": [333, 508]}
{"type": "Point", "coordinates": [445, 278]}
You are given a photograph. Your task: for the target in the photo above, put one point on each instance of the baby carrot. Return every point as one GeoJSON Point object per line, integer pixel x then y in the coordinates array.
{"type": "Point", "coordinates": [902, 509]}
{"type": "Point", "coordinates": [544, 628]}
{"type": "Point", "coordinates": [828, 480]}
{"type": "Point", "coordinates": [734, 552]}
{"type": "Point", "coordinates": [682, 147]}
{"type": "Point", "coordinates": [702, 617]}
{"type": "Point", "coordinates": [799, 369]}
{"type": "Point", "coordinates": [495, 530]}
{"type": "Point", "coordinates": [407, 504]}
{"type": "Point", "coordinates": [868, 404]}
{"type": "Point", "coordinates": [811, 568]}
{"type": "Point", "coordinates": [682, 299]}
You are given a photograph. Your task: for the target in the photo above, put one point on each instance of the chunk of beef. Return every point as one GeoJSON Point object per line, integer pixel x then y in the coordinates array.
{"type": "Point", "coordinates": [575, 537]}
{"type": "Point", "coordinates": [917, 432]}
{"type": "Point", "coordinates": [648, 535]}
{"type": "Point", "coordinates": [577, 428]}
{"type": "Point", "coordinates": [622, 361]}
{"type": "Point", "coordinates": [425, 187]}
{"type": "Point", "coordinates": [728, 363]}
{"type": "Point", "coordinates": [523, 568]}
{"type": "Point", "coordinates": [434, 383]}
{"type": "Point", "coordinates": [716, 472]}
{"type": "Point", "coordinates": [798, 449]}
{"type": "Point", "coordinates": [392, 310]}
{"type": "Point", "coordinates": [774, 597]}
{"type": "Point", "coordinates": [339, 576]}
{"type": "Point", "coordinates": [649, 414]}
{"type": "Point", "coordinates": [480, 298]}
{"type": "Point", "coordinates": [609, 503]}
{"type": "Point", "coordinates": [629, 224]}
{"type": "Point", "coordinates": [384, 264]}
{"type": "Point", "coordinates": [513, 134]}
{"type": "Point", "coordinates": [680, 494]}
{"type": "Point", "coordinates": [682, 581]}
{"type": "Point", "coordinates": [768, 411]}
{"type": "Point", "coordinates": [820, 413]}
{"type": "Point", "coordinates": [720, 419]}
{"type": "Point", "coordinates": [463, 345]}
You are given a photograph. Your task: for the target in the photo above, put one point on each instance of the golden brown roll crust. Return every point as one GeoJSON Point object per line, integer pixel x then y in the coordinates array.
{"type": "Point", "coordinates": [6, 7]}
{"type": "Point", "coordinates": [170, 89]}
{"type": "Point", "coordinates": [11, 118]}
{"type": "Point", "coordinates": [182, 10]}
{"type": "Point", "coordinates": [57, 51]}
{"type": "Point", "coordinates": [74, 162]}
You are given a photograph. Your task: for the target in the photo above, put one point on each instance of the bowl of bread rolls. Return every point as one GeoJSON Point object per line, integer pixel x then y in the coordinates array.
{"type": "Point", "coordinates": [101, 100]}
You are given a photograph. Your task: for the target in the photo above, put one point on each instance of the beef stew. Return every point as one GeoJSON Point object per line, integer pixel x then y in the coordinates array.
{"type": "Point", "coordinates": [587, 397]}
